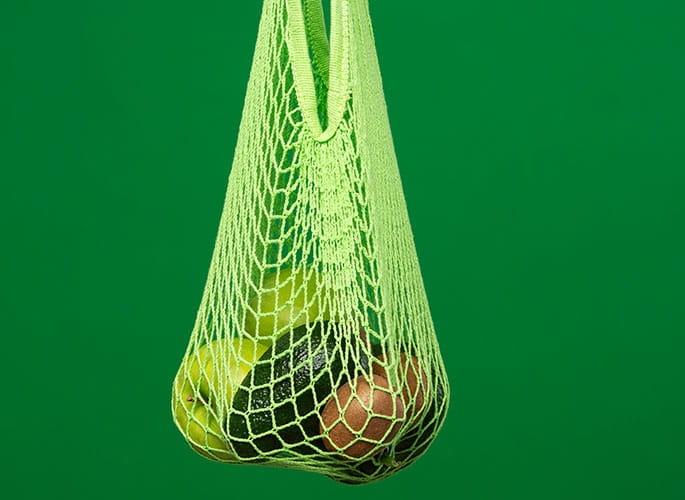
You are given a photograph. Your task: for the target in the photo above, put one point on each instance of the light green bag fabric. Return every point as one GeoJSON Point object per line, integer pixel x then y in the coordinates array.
{"type": "Point", "coordinates": [314, 347]}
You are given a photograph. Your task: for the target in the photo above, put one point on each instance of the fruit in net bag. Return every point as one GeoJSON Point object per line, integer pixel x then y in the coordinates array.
{"type": "Point", "coordinates": [362, 417]}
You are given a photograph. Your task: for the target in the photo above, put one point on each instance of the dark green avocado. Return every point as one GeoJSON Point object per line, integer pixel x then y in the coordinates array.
{"type": "Point", "coordinates": [276, 409]}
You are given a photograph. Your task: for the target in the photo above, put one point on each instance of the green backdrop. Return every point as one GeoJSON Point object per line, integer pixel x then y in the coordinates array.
{"type": "Point", "coordinates": [542, 148]}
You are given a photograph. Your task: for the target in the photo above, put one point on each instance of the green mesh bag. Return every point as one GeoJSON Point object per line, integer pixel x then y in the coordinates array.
{"type": "Point", "coordinates": [313, 346]}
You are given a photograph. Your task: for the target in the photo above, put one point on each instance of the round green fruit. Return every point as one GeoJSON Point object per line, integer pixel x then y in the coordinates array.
{"type": "Point", "coordinates": [198, 424]}
{"type": "Point", "coordinates": [286, 301]}
{"type": "Point", "coordinates": [202, 430]}
{"type": "Point", "coordinates": [240, 355]}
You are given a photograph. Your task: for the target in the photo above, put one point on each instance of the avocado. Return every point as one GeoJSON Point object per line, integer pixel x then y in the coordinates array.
{"type": "Point", "coordinates": [277, 406]}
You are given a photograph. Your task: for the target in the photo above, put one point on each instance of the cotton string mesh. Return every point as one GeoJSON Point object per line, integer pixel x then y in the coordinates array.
{"type": "Point", "coordinates": [313, 346]}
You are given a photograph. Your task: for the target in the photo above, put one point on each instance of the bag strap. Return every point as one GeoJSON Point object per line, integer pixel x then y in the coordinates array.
{"type": "Point", "coordinates": [316, 34]}
{"type": "Point", "coordinates": [338, 62]}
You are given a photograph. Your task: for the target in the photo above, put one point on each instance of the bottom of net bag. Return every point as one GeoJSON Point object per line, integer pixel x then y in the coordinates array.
{"type": "Point", "coordinates": [317, 399]}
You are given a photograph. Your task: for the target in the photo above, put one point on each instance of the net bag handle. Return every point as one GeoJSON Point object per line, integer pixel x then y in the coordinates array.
{"type": "Point", "coordinates": [338, 62]}
{"type": "Point", "coordinates": [317, 36]}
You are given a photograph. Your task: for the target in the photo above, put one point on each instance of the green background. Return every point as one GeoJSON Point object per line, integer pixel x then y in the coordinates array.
{"type": "Point", "coordinates": [542, 147]}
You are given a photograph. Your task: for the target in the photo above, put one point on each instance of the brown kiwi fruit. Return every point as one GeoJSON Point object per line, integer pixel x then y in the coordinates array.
{"type": "Point", "coordinates": [408, 371]}
{"type": "Point", "coordinates": [369, 410]}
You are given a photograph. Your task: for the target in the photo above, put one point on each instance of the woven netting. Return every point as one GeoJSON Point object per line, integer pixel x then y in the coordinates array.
{"type": "Point", "coordinates": [314, 347]}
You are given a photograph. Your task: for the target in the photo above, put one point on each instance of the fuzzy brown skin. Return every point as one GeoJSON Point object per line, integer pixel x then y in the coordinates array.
{"type": "Point", "coordinates": [411, 389]}
{"type": "Point", "coordinates": [368, 411]}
